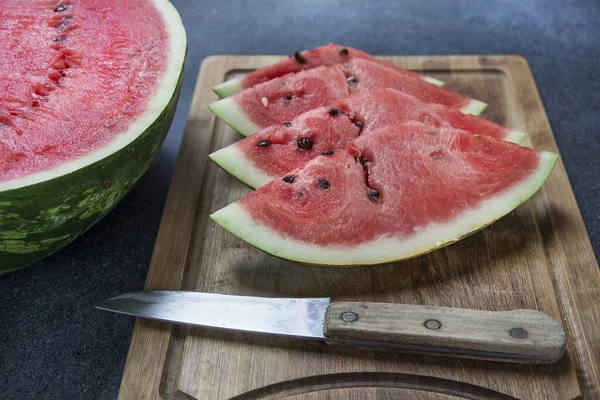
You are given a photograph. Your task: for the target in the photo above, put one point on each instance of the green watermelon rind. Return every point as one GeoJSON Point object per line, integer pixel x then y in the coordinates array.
{"type": "Point", "coordinates": [232, 160]}
{"type": "Point", "coordinates": [473, 107]}
{"type": "Point", "coordinates": [228, 111]}
{"type": "Point", "coordinates": [433, 81]}
{"type": "Point", "coordinates": [39, 219]}
{"type": "Point", "coordinates": [228, 88]}
{"type": "Point", "coordinates": [233, 86]}
{"type": "Point", "coordinates": [40, 215]}
{"type": "Point", "coordinates": [239, 222]}
{"type": "Point", "coordinates": [515, 136]}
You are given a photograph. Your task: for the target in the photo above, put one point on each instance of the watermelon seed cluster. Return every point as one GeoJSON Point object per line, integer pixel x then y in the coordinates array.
{"type": "Point", "coordinates": [289, 178]}
{"type": "Point", "coordinates": [299, 58]}
{"type": "Point", "coordinates": [61, 7]}
{"type": "Point", "coordinates": [304, 143]}
{"type": "Point", "coordinates": [372, 194]}
{"type": "Point", "coordinates": [323, 183]}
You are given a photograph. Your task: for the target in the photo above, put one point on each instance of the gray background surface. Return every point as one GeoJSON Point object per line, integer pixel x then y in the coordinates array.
{"type": "Point", "coordinates": [53, 345]}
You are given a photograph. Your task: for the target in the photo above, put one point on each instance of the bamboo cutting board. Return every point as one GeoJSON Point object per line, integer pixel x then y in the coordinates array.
{"type": "Point", "coordinates": [539, 257]}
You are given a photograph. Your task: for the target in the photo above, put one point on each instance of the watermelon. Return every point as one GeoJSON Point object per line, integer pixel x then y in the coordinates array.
{"type": "Point", "coordinates": [88, 93]}
{"type": "Point", "coordinates": [278, 149]}
{"type": "Point", "coordinates": [323, 55]}
{"type": "Point", "coordinates": [282, 99]}
{"type": "Point", "coordinates": [396, 193]}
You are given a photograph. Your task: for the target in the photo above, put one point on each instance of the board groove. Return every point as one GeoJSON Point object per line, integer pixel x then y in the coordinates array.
{"type": "Point", "coordinates": [539, 257]}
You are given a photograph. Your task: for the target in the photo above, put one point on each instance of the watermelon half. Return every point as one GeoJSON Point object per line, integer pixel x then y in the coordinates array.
{"type": "Point", "coordinates": [307, 59]}
{"type": "Point", "coordinates": [398, 192]}
{"type": "Point", "coordinates": [88, 94]}
{"type": "Point", "coordinates": [275, 150]}
{"type": "Point", "coordinates": [282, 99]}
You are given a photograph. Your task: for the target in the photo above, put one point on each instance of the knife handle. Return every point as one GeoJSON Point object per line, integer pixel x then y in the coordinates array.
{"type": "Point", "coordinates": [523, 336]}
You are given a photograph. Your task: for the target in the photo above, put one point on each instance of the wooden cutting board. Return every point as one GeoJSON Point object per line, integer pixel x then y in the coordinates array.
{"type": "Point", "coordinates": [539, 256]}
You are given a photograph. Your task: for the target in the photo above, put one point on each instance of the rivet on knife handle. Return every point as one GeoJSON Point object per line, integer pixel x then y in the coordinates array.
{"type": "Point", "coordinates": [526, 336]}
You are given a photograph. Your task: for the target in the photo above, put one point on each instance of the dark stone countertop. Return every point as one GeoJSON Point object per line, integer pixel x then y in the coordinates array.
{"type": "Point", "coordinates": [54, 345]}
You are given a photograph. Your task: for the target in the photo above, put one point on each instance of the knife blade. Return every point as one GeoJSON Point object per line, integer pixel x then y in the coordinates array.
{"type": "Point", "coordinates": [523, 336]}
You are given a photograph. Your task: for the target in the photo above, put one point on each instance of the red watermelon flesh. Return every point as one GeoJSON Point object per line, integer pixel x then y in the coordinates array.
{"type": "Point", "coordinates": [419, 188]}
{"type": "Point", "coordinates": [307, 59]}
{"type": "Point", "coordinates": [282, 99]}
{"type": "Point", "coordinates": [277, 149]}
{"type": "Point", "coordinates": [375, 109]}
{"type": "Point", "coordinates": [73, 59]}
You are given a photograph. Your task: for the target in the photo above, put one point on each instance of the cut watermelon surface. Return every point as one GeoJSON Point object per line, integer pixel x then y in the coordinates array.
{"type": "Point", "coordinates": [307, 59]}
{"type": "Point", "coordinates": [397, 192]}
{"type": "Point", "coordinates": [282, 99]}
{"type": "Point", "coordinates": [273, 151]}
{"type": "Point", "coordinates": [88, 93]}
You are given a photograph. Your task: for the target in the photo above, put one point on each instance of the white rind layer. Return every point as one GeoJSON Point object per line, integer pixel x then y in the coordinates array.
{"type": "Point", "coordinates": [232, 160]}
{"type": "Point", "coordinates": [385, 249]}
{"type": "Point", "coordinates": [228, 88]}
{"type": "Point", "coordinates": [164, 92]}
{"type": "Point", "coordinates": [474, 107]}
{"type": "Point", "coordinates": [434, 81]}
{"type": "Point", "coordinates": [228, 111]}
{"type": "Point", "coordinates": [515, 136]}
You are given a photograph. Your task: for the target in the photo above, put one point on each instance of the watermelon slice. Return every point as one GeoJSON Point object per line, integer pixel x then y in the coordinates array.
{"type": "Point", "coordinates": [323, 55]}
{"type": "Point", "coordinates": [398, 192]}
{"type": "Point", "coordinates": [87, 95]}
{"type": "Point", "coordinates": [282, 99]}
{"type": "Point", "coordinates": [278, 149]}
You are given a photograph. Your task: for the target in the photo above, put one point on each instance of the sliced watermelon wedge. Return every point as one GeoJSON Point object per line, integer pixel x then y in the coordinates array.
{"type": "Point", "coordinates": [282, 99]}
{"type": "Point", "coordinates": [307, 59]}
{"type": "Point", "coordinates": [398, 192]}
{"type": "Point", "coordinates": [277, 149]}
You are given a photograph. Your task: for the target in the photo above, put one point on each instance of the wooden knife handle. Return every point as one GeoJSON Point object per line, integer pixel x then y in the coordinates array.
{"type": "Point", "coordinates": [524, 336]}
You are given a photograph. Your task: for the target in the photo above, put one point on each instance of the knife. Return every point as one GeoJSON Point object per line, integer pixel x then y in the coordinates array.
{"type": "Point", "coordinates": [522, 336]}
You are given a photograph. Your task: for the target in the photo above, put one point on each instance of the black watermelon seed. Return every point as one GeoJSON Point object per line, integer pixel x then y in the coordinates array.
{"type": "Point", "coordinates": [61, 7]}
{"type": "Point", "coordinates": [299, 58]}
{"type": "Point", "coordinates": [344, 51]}
{"type": "Point", "coordinates": [60, 39]}
{"type": "Point", "coordinates": [373, 194]}
{"type": "Point", "coordinates": [289, 178]}
{"type": "Point", "coordinates": [359, 125]}
{"type": "Point", "coordinates": [323, 184]}
{"type": "Point", "coordinates": [264, 143]}
{"type": "Point", "coordinates": [327, 152]}
{"type": "Point", "coordinates": [288, 124]}
{"type": "Point", "coordinates": [305, 143]}
{"type": "Point", "coordinates": [288, 97]}
{"type": "Point", "coordinates": [335, 111]}
{"type": "Point", "coordinates": [352, 80]}
{"type": "Point", "coordinates": [62, 25]}
{"type": "Point", "coordinates": [363, 161]}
